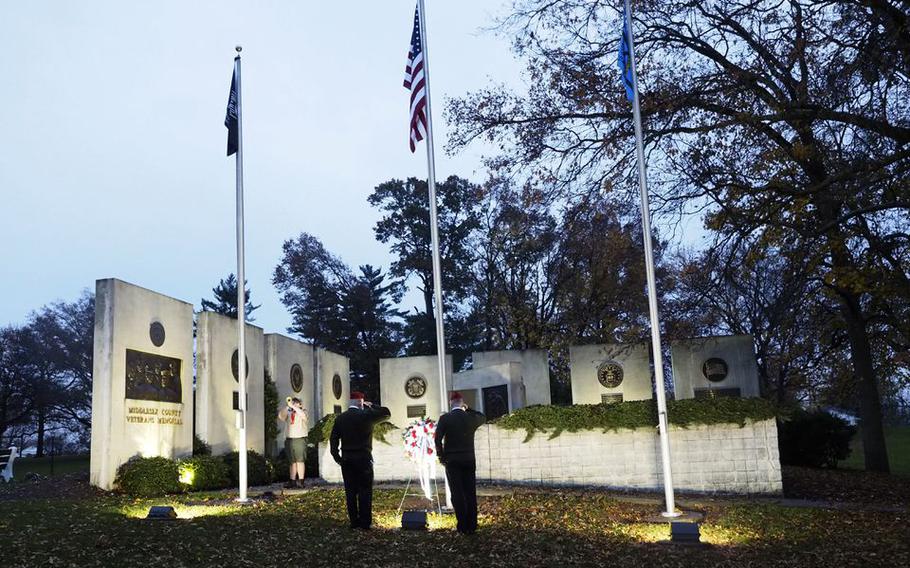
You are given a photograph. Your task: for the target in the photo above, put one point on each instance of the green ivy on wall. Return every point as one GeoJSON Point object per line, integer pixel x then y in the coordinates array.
{"type": "Point", "coordinates": [322, 430]}
{"type": "Point", "coordinates": [635, 414]}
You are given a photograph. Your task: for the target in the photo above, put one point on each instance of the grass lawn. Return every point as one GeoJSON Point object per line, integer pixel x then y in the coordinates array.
{"type": "Point", "coordinates": [61, 465]}
{"type": "Point", "coordinates": [897, 438]}
{"type": "Point", "coordinates": [517, 528]}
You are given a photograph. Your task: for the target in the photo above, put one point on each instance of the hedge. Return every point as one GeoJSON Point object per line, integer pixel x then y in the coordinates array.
{"type": "Point", "coordinates": [635, 414]}
{"type": "Point", "coordinates": [148, 477]}
{"type": "Point", "coordinates": [204, 473]}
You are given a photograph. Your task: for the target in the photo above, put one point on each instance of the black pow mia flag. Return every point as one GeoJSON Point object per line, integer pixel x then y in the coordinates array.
{"type": "Point", "coordinates": [230, 119]}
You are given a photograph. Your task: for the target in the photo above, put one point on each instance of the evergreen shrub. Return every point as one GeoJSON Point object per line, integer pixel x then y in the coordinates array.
{"type": "Point", "coordinates": [148, 477]}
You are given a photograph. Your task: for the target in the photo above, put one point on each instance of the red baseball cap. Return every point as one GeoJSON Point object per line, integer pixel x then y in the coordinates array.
{"type": "Point", "coordinates": [357, 395]}
{"type": "Point", "coordinates": [455, 395]}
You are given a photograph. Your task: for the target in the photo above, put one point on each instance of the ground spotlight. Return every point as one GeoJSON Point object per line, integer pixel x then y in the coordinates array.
{"type": "Point", "coordinates": [414, 520]}
{"type": "Point", "coordinates": [684, 533]}
{"type": "Point", "coordinates": [162, 513]}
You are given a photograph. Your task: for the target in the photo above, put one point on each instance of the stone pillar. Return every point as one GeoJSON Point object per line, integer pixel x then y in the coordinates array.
{"type": "Point", "coordinates": [142, 388]}
{"type": "Point", "coordinates": [290, 365]}
{"type": "Point", "coordinates": [217, 384]}
{"type": "Point", "coordinates": [715, 366]}
{"type": "Point", "coordinates": [335, 382]}
{"type": "Point", "coordinates": [409, 387]}
{"type": "Point", "coordinates": [610, 373]}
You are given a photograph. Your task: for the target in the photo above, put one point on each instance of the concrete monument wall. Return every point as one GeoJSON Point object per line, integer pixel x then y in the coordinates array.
{"type": "Point", "coordinates": [471, 385]}
{"type": "Point", "coordinates": [334, 380]}
{"type": "Point", "coordinates": [604, 373]}
{"type": "Point", "coordinates": [217, 387]}
{"type": "Point", "coordinates": [535, 371]}
{"type": "Point", "coordinates": [721, 458]}
{"type": "Point", "coordinates": [289, 363]}
{"type": "Point", "coordinates": [142, 388]}
{"type": "Point", "coordinates": [410, 385]}
{"type": "Point", "coordinates": [714, 366]}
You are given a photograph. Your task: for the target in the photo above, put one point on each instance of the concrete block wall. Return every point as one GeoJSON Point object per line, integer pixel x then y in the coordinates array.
{"type": "Point", "coordinates": [720, 458]}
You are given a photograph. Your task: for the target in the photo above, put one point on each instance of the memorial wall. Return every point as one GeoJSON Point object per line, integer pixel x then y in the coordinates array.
{"type": "Point", "coordinates": [142, 388]}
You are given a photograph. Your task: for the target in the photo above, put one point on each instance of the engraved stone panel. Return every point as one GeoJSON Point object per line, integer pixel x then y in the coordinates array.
{"type": "Point", "coordinates": [152, 377]}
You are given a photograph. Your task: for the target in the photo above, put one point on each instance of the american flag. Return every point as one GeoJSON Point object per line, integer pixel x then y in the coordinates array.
{"type": "Point", "coordinates": [415, 81]}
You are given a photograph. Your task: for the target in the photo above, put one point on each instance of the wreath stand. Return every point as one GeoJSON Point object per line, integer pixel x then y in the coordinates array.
{"type": "Point", "coordinates": [408, 493]}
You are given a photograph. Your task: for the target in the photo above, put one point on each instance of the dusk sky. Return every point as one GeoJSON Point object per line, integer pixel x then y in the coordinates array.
{"type": "Point", "coordinates": [112, 144]}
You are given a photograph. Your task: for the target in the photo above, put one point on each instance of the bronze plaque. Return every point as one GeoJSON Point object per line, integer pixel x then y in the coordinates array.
{"type": "Point", "coordinates": [415, 387]}
{"type": "Point", "coordinates": [296, 378]}
{"type": "Point", "coordinates": [156, 333]}
{"type": "Point", "coordinates": [611, 398]}
{"type": "Point", "coordinates": [417, 411]}
{"type": "Point", "coordinates": [495, 401]}
{"type": "Point", "coordinates": [153, 377]}
{"type": "Point", "coordinates": [729, 392]}
{"type": "Point", "coordinates": [234, 365]}
{"type": "Point", "coordinates": [336, 386]}
{"type": "Point", "coordinates": [336, 409]}
{"type": "Point", "coordinates": [609, 374]}
{"type": "Point", "coordinates": [714, 369]}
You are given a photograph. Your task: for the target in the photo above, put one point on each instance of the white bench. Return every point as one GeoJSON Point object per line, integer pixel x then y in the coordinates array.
{"type": "Point", "coordinates": [7, 457]}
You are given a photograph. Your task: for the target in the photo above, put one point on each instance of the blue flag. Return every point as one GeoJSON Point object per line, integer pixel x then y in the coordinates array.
{"type": "Point", "coordinates": [625, 59]}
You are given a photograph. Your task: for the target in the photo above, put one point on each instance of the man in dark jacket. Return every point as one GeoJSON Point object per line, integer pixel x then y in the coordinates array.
{"type": "Point", "coordinates": [354, 430]}
{"type": "Point", "coordinates": [455, 448]}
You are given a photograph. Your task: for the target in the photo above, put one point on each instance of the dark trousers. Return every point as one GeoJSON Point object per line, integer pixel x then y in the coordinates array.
{"type": "Point", "coordinates": [463, 484]}
{"type": "Point", "coordinates": [358, 490]}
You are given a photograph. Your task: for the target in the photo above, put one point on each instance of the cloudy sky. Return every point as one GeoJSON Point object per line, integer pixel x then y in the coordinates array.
{"type": "Point", "coordinates": [112, 147]}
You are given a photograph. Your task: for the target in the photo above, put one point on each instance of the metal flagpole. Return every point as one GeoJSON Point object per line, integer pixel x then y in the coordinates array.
{"type": "Point", "coordinates": [652, 289]}
{"type": "Point", "coordinates": [241, 294]}
{"type": "Point", "coordinates": [434, 230]}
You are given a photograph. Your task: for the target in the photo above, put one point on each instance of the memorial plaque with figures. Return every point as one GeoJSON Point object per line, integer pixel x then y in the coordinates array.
{"type": "Point", "coordinates": [715, 369]}
{"type": "Point", "coordinates": [234, 366]}
{"type": "Point", "coordinates": [336, 386]}
{"type": "Point", "coordinates": [415, 387]}
{"type": "Point", "coordinates": [156, 333]}
{"type": "Point", "coordinates": [609, 374]}
{"type": "Point", "coordinates": [296, 378]}
{"type": "Point", "coordinates": [153, 377]}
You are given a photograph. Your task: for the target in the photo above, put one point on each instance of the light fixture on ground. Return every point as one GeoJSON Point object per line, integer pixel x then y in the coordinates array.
{"type": "Point", "coordinates": [414, 520]}
{"type": "Point", "coordinates": [684, 533]}
{"type": "Point", "coordinates": [161, 513]}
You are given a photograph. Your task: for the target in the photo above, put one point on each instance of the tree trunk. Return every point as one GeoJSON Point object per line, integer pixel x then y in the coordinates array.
{"type": "Point", "coordinates": [873, 433]}
{"type": "Point", "coordinates": [39, 451]}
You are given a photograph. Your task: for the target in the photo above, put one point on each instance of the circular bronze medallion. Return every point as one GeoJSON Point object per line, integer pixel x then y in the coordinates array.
{"type": "Point", "coordinates": [415, 387]}
{"type": "Point", "coordinates": [336, 386]}
{"type": "Point", "coordinates": [714, 369]}
{"type": "Point", "coordinates": [610, 374]}
{"type": "Point", "coordinates": [156, 333]}
{"type": "Point", "coordinates": [296, 378]}
{"type": "Point", "coordinates": [234, 366]}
